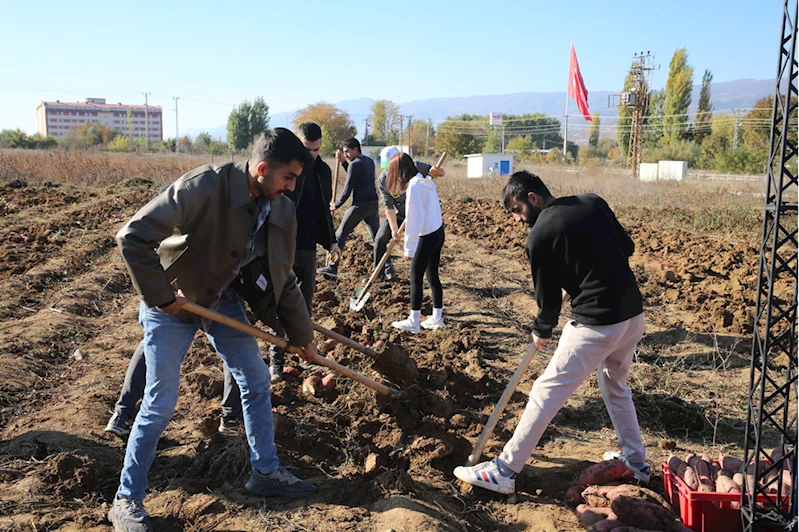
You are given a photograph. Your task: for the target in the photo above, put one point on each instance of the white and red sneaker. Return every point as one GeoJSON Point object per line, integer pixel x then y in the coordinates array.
{"type": "Point", "coordinates": [486, 475]}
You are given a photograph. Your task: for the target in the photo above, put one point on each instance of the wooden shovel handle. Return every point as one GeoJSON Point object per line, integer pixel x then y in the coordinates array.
{"type": "Point", "coordinates": [500, 408]}
{"type": "Point", "coordinates": [346, 340]}
{"type": "Point", "coordinates": [335, 181]}
{"type": "Point", "coordinates": [280, 342]}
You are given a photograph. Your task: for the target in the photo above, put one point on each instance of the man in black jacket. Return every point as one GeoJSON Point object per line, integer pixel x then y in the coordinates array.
{"type": "Point", "coordinates": [576, 244]}
{"type": "Point", "coordinates": [361, 184]}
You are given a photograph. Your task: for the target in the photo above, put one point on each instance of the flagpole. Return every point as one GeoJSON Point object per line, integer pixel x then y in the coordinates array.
{"type": "Point", "coordinates": [566, 127]}
{"type": "Point", "coordinates": [566, 115]}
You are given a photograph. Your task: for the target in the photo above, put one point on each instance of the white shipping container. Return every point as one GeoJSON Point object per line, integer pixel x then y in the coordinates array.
{"type": "Point", "coordinates": [648, 172]}
{"type": "Point", "coordinates": [672, 170]}
{"type": "Point", "coordinates": [489, 165]}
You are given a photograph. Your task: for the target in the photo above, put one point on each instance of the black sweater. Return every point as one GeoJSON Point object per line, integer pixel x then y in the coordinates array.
{"type": "Point", "coordinates": [360, 182]}
{"type": "Point", "coordinates": [578, 244]}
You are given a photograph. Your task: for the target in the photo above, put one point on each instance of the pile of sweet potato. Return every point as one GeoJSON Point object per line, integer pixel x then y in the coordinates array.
{"type": "Point", "coordinates": [728, 473]}
{"type": "Point", "coordinates": [608, 504]}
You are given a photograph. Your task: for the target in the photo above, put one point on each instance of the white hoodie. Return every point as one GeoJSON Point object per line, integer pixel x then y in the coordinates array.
{"type": "Point", "coordinates": [422, 211]}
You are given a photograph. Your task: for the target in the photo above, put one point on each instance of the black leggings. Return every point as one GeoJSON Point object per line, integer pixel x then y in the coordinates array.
{"type": "Point", "coordinates": [426, 260]}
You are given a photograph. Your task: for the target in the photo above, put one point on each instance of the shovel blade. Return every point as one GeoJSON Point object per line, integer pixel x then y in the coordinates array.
{"type": "Point", "coordinates": [396, 365]}
{"type": "Point", "coordinates": [357, 303]}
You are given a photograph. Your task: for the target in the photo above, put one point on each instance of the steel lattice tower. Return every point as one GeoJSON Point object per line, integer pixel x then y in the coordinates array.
{"type": "Point", "coordinates": [772, 407]}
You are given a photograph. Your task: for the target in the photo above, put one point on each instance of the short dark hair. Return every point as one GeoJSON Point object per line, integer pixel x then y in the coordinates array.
{"type": "Point", "coordinates": [310, 131]}
{"type": "Point", "coordinates": [279, 147]}
{"type": "Point", "coordinates": [520, 184]}
{"type": "Point", "coordinates": [352, 144]}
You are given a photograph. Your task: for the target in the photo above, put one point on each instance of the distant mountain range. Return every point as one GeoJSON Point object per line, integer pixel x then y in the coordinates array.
{"type": "Point", "coordinates": [742, 93]}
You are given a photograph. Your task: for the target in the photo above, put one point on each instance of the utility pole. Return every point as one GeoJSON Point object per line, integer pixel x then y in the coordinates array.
{"type": "Point", "coordinates": [427, 141]}
{"type": "Point", "coordinates": [503, 138]}
{"type": "Point", "coordinates": [365, 130]}
{"type": "Point", "coordinates": [566, 129]}
{"type": "Point", "coordinates": [735, 130]}
{"type": "Point", "coordinates": [177, 131]}
{"type": "Point", "coordinates": [146, 121]}
{"type": "Point", "coordinates": [637, 100]}
{"type": "Point", "coordinates": [401, 131]}
{"type": "Point", "coordinates": [410, 128]}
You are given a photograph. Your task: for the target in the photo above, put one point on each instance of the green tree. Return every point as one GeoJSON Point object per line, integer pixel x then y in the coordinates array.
{"type": "Point", "coordinates": [167, 145]}
{"type": "Point", "coordinates": [202, 142]}
{"type": "Point", "coordinates": [492, 141]}
{"type": "Point", "coordinates": [593, 130]}
{"type": "Point", "coordinates": [246, 122]}
{"type": "Point", "coordinates": [259, 117]}
{"type": "Point", "coordinates": [678, 96]}
{"type": "Point", "coordinates": [120, 144]}
{"type": "Point", "coordinates": [329, 146]}
{"type": "Point", "coordinates": [458, 138]}
{"type": "Point", "coordinates": [704, 111]}
{"type": "Point", "coordinates": [336, 122]}
{"type": "Point", "coordinates": [521, 145]}
{"type": "Point", "coordinates": [385, 122]}
{"type": "Point", "coordinates": [652, 132]}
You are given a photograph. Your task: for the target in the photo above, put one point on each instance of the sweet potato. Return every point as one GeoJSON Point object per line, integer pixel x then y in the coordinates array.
{"type": "Point", "coordinates": [588, 516]}
{"type": "Point", "coordinates": [291, 372]}
{"type": "Point", "coordinates": [329, 345]}
{"type": "Point", "coordinates": [644, 513]}
{"type": "Point", "coordinates": [573, 496]}
{"type": "Point", "coordinates": [738, 478]}
{"type": "Point", "coordinates": [606, 525]}
{"type": "Point", "coordinates": [329, 382]}
{"type": "Point", "coordinates": [684, 471]}
{"type": "Point", "coordinates": [628, 528]}
{"type": "Point", "coordinates": [726, 485]}
{"type": "Point", "coordinates": [715, 470]}
{"type": "Point", "coordinates": [603, 496]}
{"type": "Point", "coordinates": [702, 470]}
{"type": "Point", "coordinates": [312, 385]}
{"type": "Point", "coordinates": [603, 472]}
{"type": "Point", "coordinates": [730, 464]}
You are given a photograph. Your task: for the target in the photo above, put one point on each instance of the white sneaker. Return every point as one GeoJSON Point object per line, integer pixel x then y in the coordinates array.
{"type": "Point", "coordinates": [406, 325]}
{"type": "Point", "coordinates": [642, 474]}
{"type": "Point", "coordinates": [486, 475]}
{"type": "Point", "coordinates": [433, 323]}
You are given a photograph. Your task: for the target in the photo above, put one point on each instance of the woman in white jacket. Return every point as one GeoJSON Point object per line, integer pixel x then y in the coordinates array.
{"type": "Point", "coordinates": [424, 238]}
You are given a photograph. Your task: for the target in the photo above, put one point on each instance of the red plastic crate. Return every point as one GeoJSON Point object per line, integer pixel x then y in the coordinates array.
{"type": "Point", "coordinates": [703, 511]}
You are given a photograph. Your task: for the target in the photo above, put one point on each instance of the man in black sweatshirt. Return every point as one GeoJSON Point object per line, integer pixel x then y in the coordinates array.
{"type": "Point", "coordinates": [575, 244]}
{"type": "Point", "coordinates": [361, 184]}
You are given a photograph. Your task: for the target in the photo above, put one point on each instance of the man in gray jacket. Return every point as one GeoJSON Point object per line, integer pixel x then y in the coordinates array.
{"type": "Point", "coordinates": [190, 243]}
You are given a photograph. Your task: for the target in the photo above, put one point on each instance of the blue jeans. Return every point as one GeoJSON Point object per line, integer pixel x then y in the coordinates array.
{"type": "Point", "coordinates": [166, 341]}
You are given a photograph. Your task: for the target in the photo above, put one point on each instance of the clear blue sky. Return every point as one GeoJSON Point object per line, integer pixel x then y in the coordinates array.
{"type": "Point", "coordinates": [214, 54]}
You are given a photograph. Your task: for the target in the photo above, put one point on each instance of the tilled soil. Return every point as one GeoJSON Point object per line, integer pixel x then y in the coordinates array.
{"type": "Point", "coordinates": [69, 326]}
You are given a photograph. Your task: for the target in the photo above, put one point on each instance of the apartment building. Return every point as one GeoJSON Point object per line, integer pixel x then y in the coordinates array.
{"type": "Point", "coordinates": [57, 118]}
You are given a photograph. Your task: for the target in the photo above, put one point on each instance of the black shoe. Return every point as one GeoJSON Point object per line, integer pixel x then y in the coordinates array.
{"type": "Point", "coordinates": [388, 272]}
{"type": "Point", "coordinates": [277, 358]}
{"type": "Point", "coordinates": [230, 423]}
{"type": "Point", "coordinates": [119, 425]}
{"type": "Point", "coordinates": [331, 271]}
{"type": "Point", "coordinates": [279, 483]}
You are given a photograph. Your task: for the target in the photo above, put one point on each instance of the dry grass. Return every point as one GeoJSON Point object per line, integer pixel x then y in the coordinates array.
{"type": "Point", "coordinates": [733, 208]}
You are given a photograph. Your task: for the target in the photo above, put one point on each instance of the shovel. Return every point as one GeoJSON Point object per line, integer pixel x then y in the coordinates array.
{"type": "Point", "coordinates": [362, 291]}
{"type": "Point", "coordinates": [392, 362]}
{"type": "Point", "coordinates": [382, 389]}
{"type": "Point", "coordinates": [477, 452]}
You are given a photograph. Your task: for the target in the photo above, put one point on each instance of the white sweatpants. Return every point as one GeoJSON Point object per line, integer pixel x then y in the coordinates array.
{"type": "Point", "coordinates": [609, 350]}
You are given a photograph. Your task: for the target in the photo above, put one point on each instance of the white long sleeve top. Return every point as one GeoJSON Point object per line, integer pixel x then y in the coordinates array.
{"type": "Point", "coordinates": [422, 211]}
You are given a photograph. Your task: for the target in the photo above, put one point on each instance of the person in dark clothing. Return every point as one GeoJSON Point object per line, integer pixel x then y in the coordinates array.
{"type": "Point", "coordinates": [361, 185]}
{"type": "Point", "coordinates": [394, 205]}
{"type": "Point", "coordinates": [576, 244]}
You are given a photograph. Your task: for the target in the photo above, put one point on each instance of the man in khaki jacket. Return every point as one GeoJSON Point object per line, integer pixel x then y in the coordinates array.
{"type": "Point", "coordinates": [190, 243]}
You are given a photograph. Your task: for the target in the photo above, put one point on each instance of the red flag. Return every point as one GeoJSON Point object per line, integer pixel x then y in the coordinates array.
{"type": "Point", "coordinates": [577, 88]}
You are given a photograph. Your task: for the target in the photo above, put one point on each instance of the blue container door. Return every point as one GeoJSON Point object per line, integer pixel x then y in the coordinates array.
{"type": "Point", "coordinates": [504, 167]}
